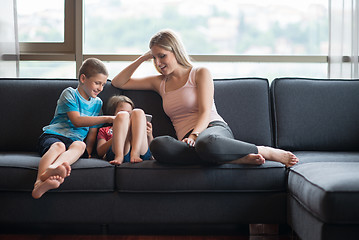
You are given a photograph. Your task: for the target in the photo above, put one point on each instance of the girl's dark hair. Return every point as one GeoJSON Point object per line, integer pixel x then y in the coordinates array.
{"type": "Point", "coordinates": [115, 100]}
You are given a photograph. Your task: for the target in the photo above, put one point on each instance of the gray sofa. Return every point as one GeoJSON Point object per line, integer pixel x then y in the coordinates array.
{"type": "Point", "coordinates": [316, 119]}
{"type": "Point", "coordinates": [319, 121]}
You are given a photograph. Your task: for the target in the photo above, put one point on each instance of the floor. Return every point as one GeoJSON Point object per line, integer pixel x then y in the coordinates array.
{"type": "Point", "coordinates": [139, 237]}
{"type": "Point", "coordinates": [258, 231]}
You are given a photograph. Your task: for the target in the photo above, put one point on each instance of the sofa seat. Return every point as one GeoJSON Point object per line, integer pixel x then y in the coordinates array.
{"type": "Point", "coordinates": [151, 176]}
{"type": "Point", "coordinates": [324, 196]}
{"type": "Point", "coordinates": [329, 190]}
{"type": "Point", "coordinates": [88, 175]}
{"type": "Point", "coordinates": [326, 156]}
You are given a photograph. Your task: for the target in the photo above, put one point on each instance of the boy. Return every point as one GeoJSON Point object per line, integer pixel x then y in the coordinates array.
{"type": "Point", "coordinates": [75, 118]}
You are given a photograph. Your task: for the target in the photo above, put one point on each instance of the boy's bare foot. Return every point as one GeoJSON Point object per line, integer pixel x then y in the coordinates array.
{"type": "Point", "coordinates": [253, 159]}
{"type": "Point", "coordinates": [42, 187]}
{"type": "Point", "coordinates": [279, 155]}
{"type": "Point", "coordinates": [57, 171]}
{"type": "Point", "coordinates": [68, 168]}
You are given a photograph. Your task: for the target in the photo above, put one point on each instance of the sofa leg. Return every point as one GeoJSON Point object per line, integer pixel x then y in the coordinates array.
{"type": "Point", "coordinates": [263, 230]}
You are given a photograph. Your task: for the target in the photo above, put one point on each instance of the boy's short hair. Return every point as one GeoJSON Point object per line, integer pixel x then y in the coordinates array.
{"type": "Point", "coordinates": [115, 100]}
{"type": "Point", "coordinates": [91, 67]}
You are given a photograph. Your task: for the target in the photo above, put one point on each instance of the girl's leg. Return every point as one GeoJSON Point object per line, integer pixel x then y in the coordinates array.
{"type": "Point", "coordinates": [139, 144]}
{"type": "Point", "coordinates": [121, 126]}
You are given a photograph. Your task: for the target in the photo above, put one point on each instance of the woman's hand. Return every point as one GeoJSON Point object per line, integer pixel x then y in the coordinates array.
{"type": "Point", "coordinates": [147, 56]}
{"type": "Point", "coordinates": [191, 141]}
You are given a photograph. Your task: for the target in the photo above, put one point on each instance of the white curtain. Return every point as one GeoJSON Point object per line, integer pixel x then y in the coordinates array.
{"type": "Point", "coordinates": [344, 38]}
{"type": "Point", "coordinates": [9, 43]}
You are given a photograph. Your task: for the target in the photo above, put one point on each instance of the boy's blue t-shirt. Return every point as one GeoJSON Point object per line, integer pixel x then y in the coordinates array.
{"type": "Point", "coordinates": [71, 100]}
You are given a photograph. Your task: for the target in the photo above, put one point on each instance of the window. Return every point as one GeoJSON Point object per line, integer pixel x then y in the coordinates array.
{"type": "Point", "coordinates": [41, 20]}
{"type": "Point", "coordinates": [234, 38]}
{"type": "Point", "coordinates": [209, 27]}
{"type": "Point", "coordinates": [48, 69]}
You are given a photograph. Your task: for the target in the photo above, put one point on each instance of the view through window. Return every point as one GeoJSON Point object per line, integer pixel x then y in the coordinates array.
{"type": "Point", "coordinates": [207, 27]}
{"type": "Point", "coordinates": [41, 20]}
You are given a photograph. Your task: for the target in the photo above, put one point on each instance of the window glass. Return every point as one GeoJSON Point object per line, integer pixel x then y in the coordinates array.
{"type": "Point", "coordinates": [209, 26]}
{"type": "Point", "coordinates": [237, 69]}
{"type": "Point", "coordinates": [47, 69]}
{"type": "Point", "coordinates": [41, 20]}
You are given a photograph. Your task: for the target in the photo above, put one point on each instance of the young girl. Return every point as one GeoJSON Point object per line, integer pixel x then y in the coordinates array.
{"type": "Point", "coordinates": [129, 137]}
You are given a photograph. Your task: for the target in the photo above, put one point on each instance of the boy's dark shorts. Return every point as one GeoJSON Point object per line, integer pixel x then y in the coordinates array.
{"type": "Point", "coordinates": [46, 140]}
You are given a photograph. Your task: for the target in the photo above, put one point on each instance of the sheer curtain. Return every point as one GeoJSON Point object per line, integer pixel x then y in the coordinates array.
{"type": "Point", "coordinates": [344, 38]}
{"type": "Point", "coordinates": [9, 43]}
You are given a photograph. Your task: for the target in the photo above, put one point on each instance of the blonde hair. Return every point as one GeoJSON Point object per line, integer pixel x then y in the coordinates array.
{"type": "Point", "coordinates": [169, 41]}
{"type": "Point", "coordinates": [115, 100]}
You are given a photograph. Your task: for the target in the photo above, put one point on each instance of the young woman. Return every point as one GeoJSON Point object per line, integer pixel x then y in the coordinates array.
{"type": "Point", "coordinates": [188, 99]}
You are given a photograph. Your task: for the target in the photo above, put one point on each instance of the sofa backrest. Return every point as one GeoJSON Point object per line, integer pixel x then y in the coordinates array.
{"type": "Point", "coordinates": [314, 114]}
{"type": "Point", "coordinates": [29, 104]}
{"type": "Point", "coordinates": [244, 104]}
{"type": "Point", "coordinates": [151, 103]}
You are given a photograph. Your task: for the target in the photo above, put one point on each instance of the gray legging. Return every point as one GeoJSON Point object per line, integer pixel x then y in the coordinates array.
{"type": "Point", "coordinates": [215, 144]}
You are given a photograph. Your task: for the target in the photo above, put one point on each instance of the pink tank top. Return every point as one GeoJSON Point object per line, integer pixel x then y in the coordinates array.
{"type": "Point", "coordinates": [181, 106]}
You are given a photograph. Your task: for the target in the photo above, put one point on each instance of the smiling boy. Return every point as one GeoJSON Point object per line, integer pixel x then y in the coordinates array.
{"type": "Point", "coordinates": [76, 118]}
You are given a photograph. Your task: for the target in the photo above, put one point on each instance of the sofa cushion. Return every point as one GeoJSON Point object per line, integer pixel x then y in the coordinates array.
{"type": "Point", "coordinates": [18, 172]}
{"type": "Point", "coordinates": [151, 176]}
{"type": "Point", "coordinates": [329, 190]}
{"type": "Point", "coordinates": [318, 115]}
{"type": "Point", "coordinates": [244, 104]}
{"type": "Point", "coordinates": [34, 110]}
{"type": "Point", "coordinates": [317, 156]}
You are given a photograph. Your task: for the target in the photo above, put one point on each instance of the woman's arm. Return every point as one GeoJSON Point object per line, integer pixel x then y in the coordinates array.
{"type": "Point", "coordinates": [103, 146]}
{"type": "Point", "coordinates": [124, 79]}
{"type": "Point", "coordinates": [205, 94]}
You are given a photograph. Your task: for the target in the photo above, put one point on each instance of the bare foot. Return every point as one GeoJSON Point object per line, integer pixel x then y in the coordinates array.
{"type": "Point", "coordinates": [253, 159]}
{"type": "Point", "coordinates": [278, 155]}
{"type": "Point", "coordinates": [58, 171]}
{"type": "Point", "coordinates": [135, 159]}
{"type": "Point", "coordinates": [117, 161]}
{"type": "Point", "coordinates": [42, 187]}
{"type": "Point", "coordinates": [68, 168]}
